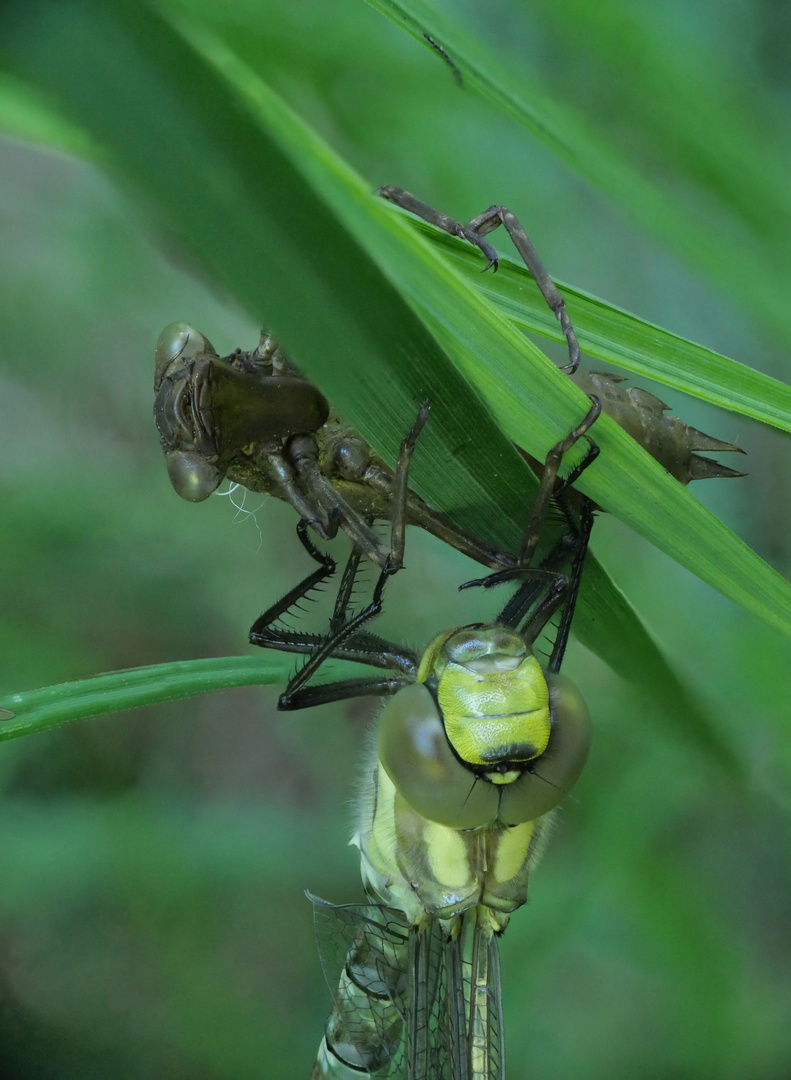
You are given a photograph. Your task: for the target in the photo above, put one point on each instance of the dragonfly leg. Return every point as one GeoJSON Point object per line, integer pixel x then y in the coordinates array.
{"type": "Point", "coordinates": [548, 481]}
{"type": "Point", "coordinates": [347, 637]}
{"type": "Point", "coordinates": [401, 491]}
{"type": "Point", "coordinates": [549, 486]}
{"type": "Point", "coordinates": [305, 697]}
{"type": "Point", "coordinates": [358, 646]}
{"type": "Point", "coordinates": [501, 215]}
{"type": "Point", "coordinates": [310, 511]}
{"type": "Point", "coordinates": [345, 590]}
{"type": "Point", "coordinates": [575, 576]}
{"type": "Point", "coordinates": [546, 588]}
{"type": "Point", "coordinates": [330, 646]}
{"type": "Point", "coordinates": [299, 696]}
{"type": "Point", "coordinates": [475, 232]}
{"type": "Point", "coordinates": [325, 570]}
{"type": "Point", "coordinates": [591, 454]}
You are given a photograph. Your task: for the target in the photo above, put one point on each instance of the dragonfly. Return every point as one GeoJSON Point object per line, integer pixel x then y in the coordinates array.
{"type": "Point", "coordinates": [476, 745]}
{"type": "Point", "coordinates": [253, 417]}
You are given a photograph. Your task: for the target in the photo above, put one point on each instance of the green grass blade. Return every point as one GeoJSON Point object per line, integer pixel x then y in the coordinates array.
{"type": "Point", "coordinates": [713, 239]}
{"type": "Point", "coordinates": [605, 331]}
{"type": "Point", "coordinates": [33, 711]}
{"type": "Point", "coordinates": [615, 336]}
{"type": "Point", "coordinates": [30, 712]}
{"type": "Point", "coordinates": [25, 115]}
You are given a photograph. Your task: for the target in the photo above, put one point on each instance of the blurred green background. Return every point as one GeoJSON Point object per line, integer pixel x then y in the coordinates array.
{"type": "Point", "coordinates": [152, 920]}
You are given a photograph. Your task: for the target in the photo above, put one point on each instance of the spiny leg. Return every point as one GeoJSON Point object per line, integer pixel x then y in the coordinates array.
{"type": "Point", "coordinates": [575, 577]}
{"type": "Point", "coordinates": [263, 631]}
{"type": "Point", "coordinates": [398, 516]}
{"type": "Point", "coordinates": [474, 231]}
{"type": "Point", "coordinates": [325, 570]}
{"type": "Point", "coordinates": [543, 601]}
{"type": "Point", "coordinates": [297, 695]}
{"type": "Point", "coordinates": [547, 484]}
{"type": "Point", "coordinates": [348, 642]}
{"type": "Point", "coordinates": [347, 635]}
{"type": "Point", "coordinates": [546, 588]}
{"type": "Point", "coordinates": [570, 551]}
{"type": "Point", "coordinates": [364, 647]}
{"type": "Point", "coordinates": [569, 481]}
{"type": "Point", "coordinates": [361, 647]}
{"type": "Point", "coordinates": [549, 487]}
{"type": "Point", "coordinates": [344, 633]}
{"type": "Point", "coordinates": [306, 697]}
{"type": "Point", "coordinates": [345, 590]}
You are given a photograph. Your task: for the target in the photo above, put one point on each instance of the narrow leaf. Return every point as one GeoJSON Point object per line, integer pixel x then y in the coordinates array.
{"type": "Point", "coordinates": [615, 336]}
{"type": "Point", "coordinates": [31, 711]}
{"type": "Point", "coordinates": [577, 139]}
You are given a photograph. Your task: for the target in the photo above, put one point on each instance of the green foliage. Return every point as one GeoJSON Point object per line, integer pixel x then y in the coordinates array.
{"type": "Point", "coordinates": [51, 706]}
{"type": "Point", "coordinates": [153, 863]}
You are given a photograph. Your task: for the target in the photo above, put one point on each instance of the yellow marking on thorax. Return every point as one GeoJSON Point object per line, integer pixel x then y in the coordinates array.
{"type": "Point", "coordinates": [511, 852]}
{"type": "Point", "coordinates": [448, 856]}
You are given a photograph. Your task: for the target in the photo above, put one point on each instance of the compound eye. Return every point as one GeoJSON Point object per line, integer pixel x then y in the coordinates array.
{"type": "Point", "coordinates": [178, 342]}
{"type": "Point", "coordinates": [556, 771]}
{"type": "Point", "coordinates": [192, 476]}
{"type": "Point", "coordinates": [415, 754]}
{"type": "Point", "coordinates": [486, 649]}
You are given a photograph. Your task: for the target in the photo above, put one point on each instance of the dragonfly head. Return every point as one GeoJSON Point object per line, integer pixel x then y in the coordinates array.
{"type": "Point", "coordinates": [484, 735]}
{"type": "Point", "coordinates": [183, 360]}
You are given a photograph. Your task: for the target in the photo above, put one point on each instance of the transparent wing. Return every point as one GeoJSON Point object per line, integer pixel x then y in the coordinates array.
{"type": "Point", "coordinates": [428, 1050]}
{"type": "Point", "coordinates": [467, 1014]}
{"type": "Point", "coordinates": [411, 1003]}
{"type": "Point", "coordinates": [485, 1043]}
{"type": "Point", "coordinates": [369, 945]}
